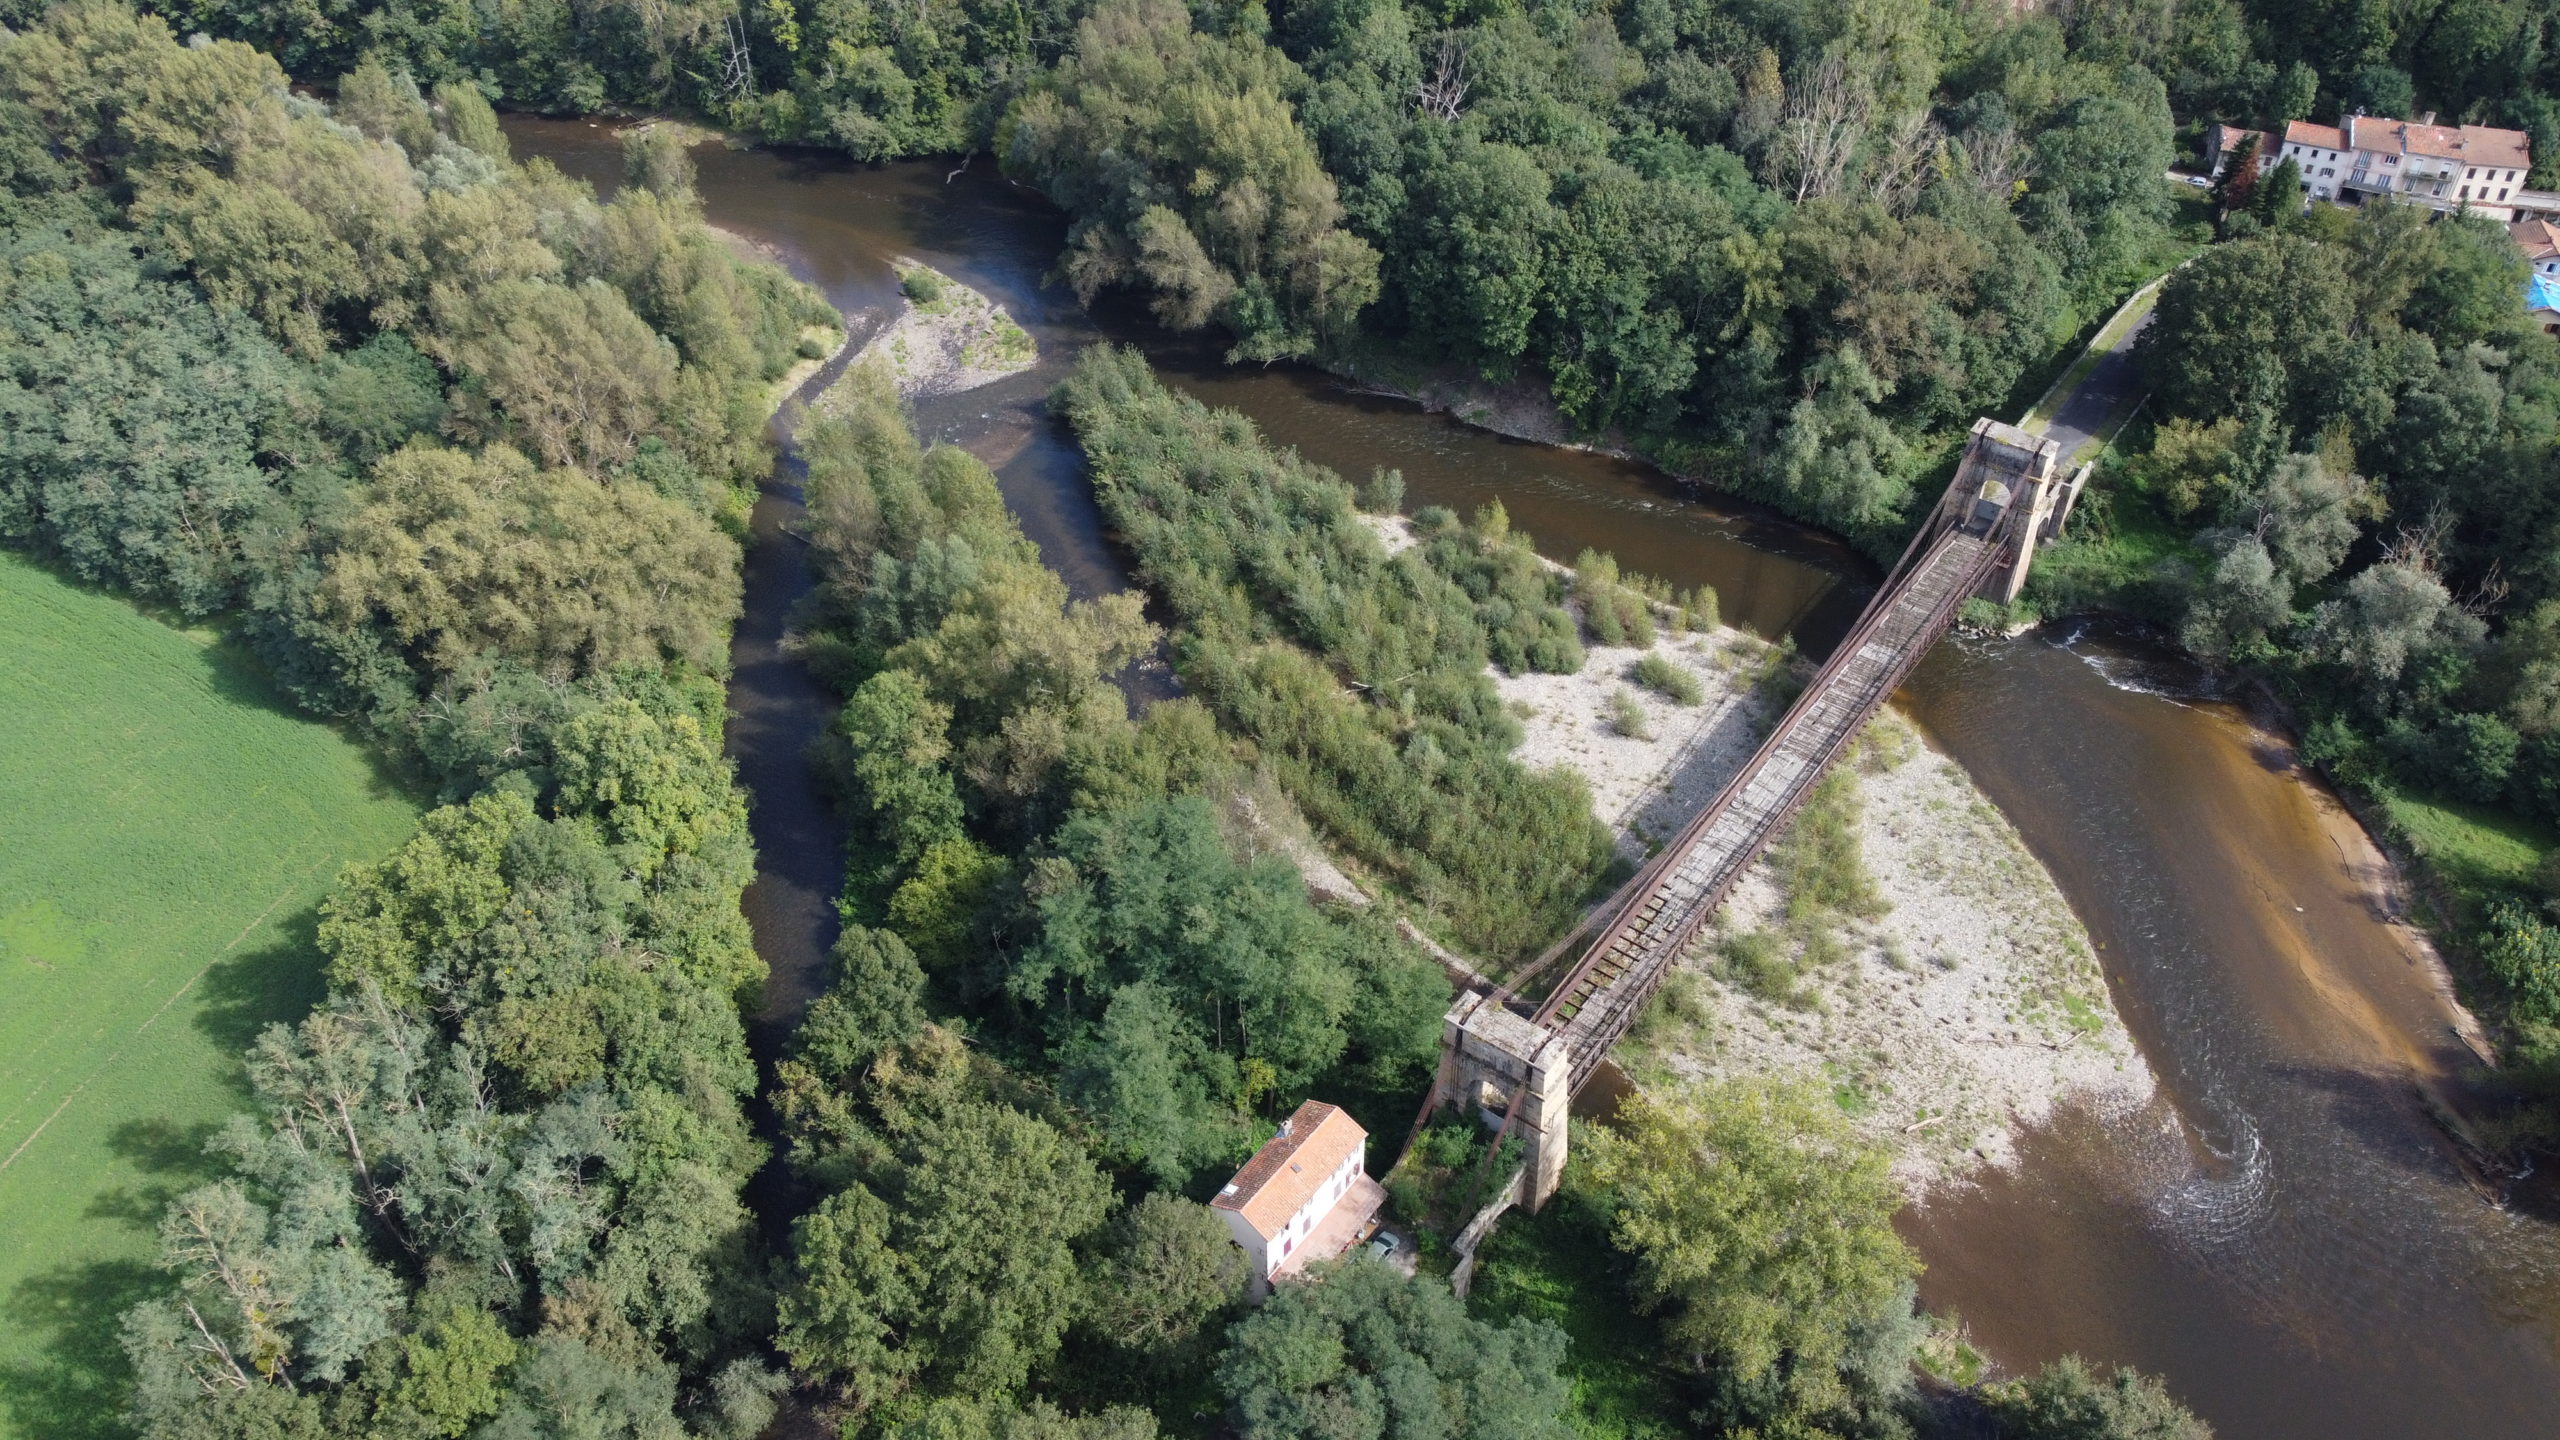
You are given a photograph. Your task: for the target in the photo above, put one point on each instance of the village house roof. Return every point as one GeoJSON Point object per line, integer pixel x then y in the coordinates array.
{"type": "Point", "coordinates": [1283, 1175]}
{"type": "Point", "coordinates": [2323, 137]}
{"type": "Point", "coordinates": [2483, 145]}
{"type": "Point", "coordinates": [2539, 239]}
{"type": "Point", "coordinates": [2227, 140]}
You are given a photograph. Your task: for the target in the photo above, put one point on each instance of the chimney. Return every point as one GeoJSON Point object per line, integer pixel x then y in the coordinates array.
{"type": "Point", "coordinates": [2427, 119]}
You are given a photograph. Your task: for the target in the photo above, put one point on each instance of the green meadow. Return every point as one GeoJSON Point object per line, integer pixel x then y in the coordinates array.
{"type": "Point", "coordinates": [167, 827]}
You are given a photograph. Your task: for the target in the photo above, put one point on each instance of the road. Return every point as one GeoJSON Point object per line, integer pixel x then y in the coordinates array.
{"type": "Point", "coordinates": [2103, 384]}
{"type": "Point", "coordinates": [2095, 407]}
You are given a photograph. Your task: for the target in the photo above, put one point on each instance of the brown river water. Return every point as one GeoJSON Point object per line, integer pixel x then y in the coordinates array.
{"type": "Point", "coordinates": [2284, 1236]}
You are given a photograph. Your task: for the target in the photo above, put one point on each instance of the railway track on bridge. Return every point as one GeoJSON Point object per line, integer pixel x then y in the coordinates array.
{"type": "Point", "coordinates": [1598, 999]}
{"type": "Point", "coordinates": [1500, 1053]}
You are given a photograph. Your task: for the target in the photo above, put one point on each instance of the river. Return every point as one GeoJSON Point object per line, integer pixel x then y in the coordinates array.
{"type": "Point", "coordinates": [2284, 1237]}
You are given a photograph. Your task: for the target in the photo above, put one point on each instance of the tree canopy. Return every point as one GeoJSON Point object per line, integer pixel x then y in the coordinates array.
{"type": "Point", "coordinates": [1373, 1352]}
{"type": "Point", "coordinates": [1708, 1191]}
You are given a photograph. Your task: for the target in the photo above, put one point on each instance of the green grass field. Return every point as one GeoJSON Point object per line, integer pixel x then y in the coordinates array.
{"type": "Point", "coordinates": [167, 826]}
{"type": "Point", "coordinates": [2480, 850]}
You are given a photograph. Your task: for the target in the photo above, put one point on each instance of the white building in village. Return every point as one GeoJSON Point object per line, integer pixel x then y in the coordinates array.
{"type": "Point", "coordinates": [2223, 144]}
{"type": "Point", "coordinates": [1305, 1195]}
{"type": "Point", "coordinates": [2443, 167]}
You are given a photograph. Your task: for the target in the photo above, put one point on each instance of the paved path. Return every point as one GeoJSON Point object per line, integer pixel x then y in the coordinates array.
{"type": "Point", "coordinates": [2103, 396]}
{"type": "Point", "coordinates": [2110, 386]}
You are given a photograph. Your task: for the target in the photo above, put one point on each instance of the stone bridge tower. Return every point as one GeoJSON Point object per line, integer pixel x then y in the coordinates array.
{"type": "Point", "coordinates": [1491, 1057]}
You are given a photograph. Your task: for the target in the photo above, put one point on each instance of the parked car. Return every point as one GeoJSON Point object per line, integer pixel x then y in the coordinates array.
{"type": "Point", "coordinates": [1384, 1246]}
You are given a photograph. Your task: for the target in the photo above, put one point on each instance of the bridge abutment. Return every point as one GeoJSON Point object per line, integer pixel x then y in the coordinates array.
{"type": "Point", "coordinates": [1496, 1059]}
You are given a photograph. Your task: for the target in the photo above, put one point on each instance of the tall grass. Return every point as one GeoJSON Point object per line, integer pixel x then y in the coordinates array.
{"type": "Point", "coordinates": [1360, 676]}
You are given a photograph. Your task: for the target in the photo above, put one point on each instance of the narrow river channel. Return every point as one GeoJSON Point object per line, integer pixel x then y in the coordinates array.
{"type": "Point", "coordinates": [2284, 1237]}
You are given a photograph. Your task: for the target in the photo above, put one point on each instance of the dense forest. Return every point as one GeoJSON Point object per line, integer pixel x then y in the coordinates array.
{"type": "Point", "coordinates": [462, 453]}
{"type": "Point", "coordinates": [1780, 245]}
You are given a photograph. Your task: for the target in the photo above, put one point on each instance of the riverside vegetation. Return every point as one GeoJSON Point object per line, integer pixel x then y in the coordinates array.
{"type": "Point", "coordinates": [461, 456]}
{"type": "Point", "coordinates": [1790, 248]}
{"type": "Point", "coordinates": [2366, 527]}
{"type": "Point", "coordinates": [1259, 556]}
{"type": "Point", "coordinates": [1793, 247]}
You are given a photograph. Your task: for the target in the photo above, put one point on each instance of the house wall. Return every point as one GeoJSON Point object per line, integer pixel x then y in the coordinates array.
{"type": "Point", "coordinates": [2490, 186]}
{"type": "Point", "coordinates": [1257, 1253]}
{"type": "Point", "coordinates": [2311, 160]}
{"type": "Point", "coordinates": [2408, 177]}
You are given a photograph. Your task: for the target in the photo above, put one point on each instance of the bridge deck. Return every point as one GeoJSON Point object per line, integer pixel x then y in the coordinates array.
{"type": "Point", "coordinates": [1594, 1005]}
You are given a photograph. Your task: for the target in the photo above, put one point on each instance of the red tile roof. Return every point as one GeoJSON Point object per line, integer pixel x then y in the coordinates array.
{"type": "Point", "coordinates": [2481, 145]}
{"type": "Point", "coordinates": [2485, 145]}
{"type": "Point", "coordinates": [2540, 239]}
{"type": "Point", "coordinates": [2325, 137]}
{"type": "Point", "coordinates": [1284, 1174]}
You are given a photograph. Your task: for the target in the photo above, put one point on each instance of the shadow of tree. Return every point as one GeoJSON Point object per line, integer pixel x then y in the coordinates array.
{"type": "Point", "coordinates": [172, 1160]}
{"type": "Point", "coordinates": [76, 1390]}
{"type": "Point", "coordinates": [72, 1313]}
{"type": "Point", "coordinates": [253, 989]}
{"type": "Point", "coordinates": [237, 674]}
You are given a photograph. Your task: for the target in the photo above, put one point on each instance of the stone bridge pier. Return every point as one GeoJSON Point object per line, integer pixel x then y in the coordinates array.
{"type": "Point", "coordinates": [1492, 1058]}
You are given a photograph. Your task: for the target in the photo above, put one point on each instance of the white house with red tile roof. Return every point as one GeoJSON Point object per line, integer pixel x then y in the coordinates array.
{"type": "Point", "coordinates": [2223, 144]}
{"type": "Point", "coordinates": [2443, 167]}
{"type": "Point", "coordinates": [1305, 1195]}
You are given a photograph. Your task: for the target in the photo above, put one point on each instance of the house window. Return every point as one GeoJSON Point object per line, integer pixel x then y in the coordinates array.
{"type": "Point", "coordinates": [2390, 159]}
{"type": "Point", "coordinates": [2466, 192]}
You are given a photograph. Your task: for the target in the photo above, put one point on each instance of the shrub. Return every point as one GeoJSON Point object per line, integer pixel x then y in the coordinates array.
{"type": "Point", "coordinates": [2474, 754]}
{"type": "Point", "coordinates": [921, 285]}
{"type": "Point", "coordinates": [2523, 952]}
{"type": "Point", "coordinates": [1821, 863]}
{"type": "Point", "coordinates": [1384, 494]}
{"type": "Point", "coordinates": [1756, 963]}
{"type": "Point", "coordinates": [1615, 614]}
{"type": "Point", "coordinates": [2067, 1400]}
{"type": "Point", "coordinates": [1668, 679]}
{"type": "Point", "coordinates": [1627, 717]}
